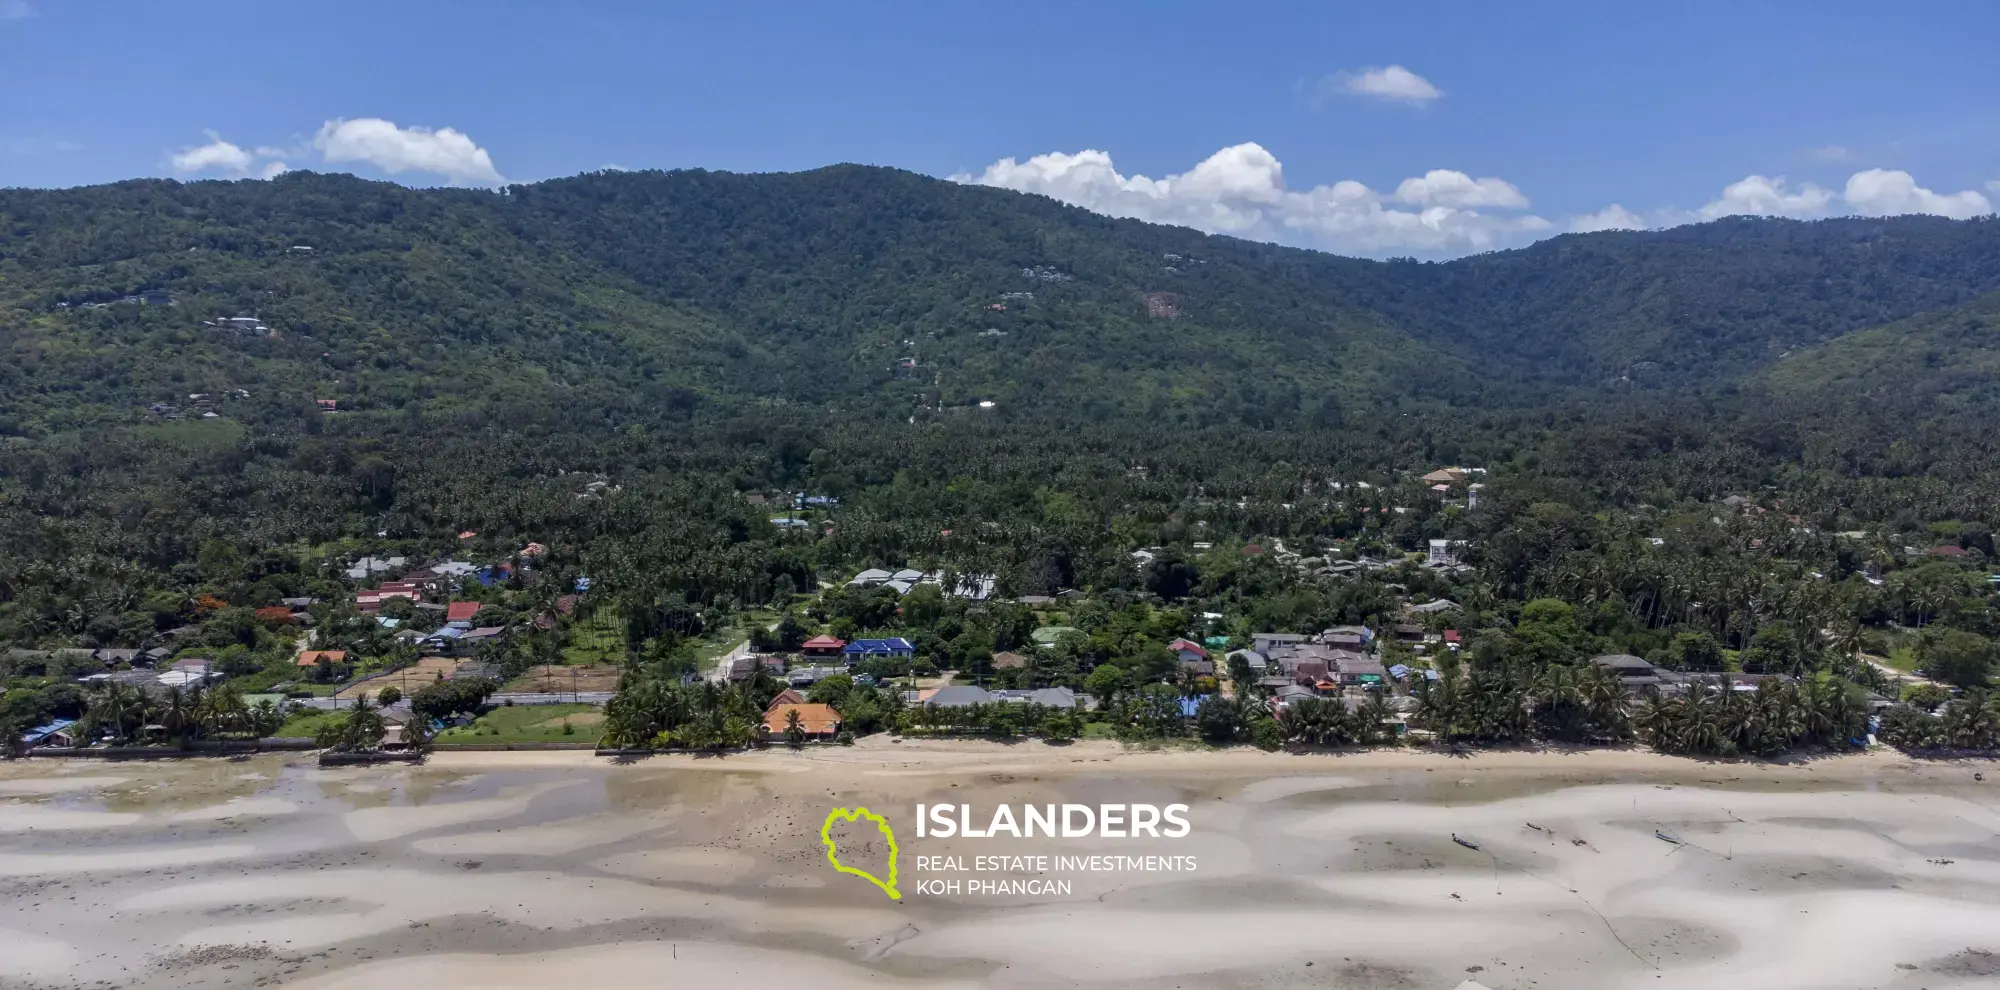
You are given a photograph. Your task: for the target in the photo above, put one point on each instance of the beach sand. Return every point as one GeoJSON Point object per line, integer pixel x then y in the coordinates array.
{"type": "Point", "coordinates": [561, 869]}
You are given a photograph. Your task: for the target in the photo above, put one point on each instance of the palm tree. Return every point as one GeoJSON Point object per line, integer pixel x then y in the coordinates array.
{"type": "Point", "coordinates": [179, 713]}
{"type": "Point", "coordinates": [363, 728]}
{"type": "Point", "coordinates": [222, 711]}
{"type": "Point", "coordinates": [795, 731]}
{"type": "Point", "coordinates": [1372, 720]}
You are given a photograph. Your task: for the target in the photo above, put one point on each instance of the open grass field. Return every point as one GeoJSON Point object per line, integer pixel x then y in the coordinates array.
{"type": "Point", "coordinates": [305, 725]}
{"type": "Point", "coordinates": [529, 723]}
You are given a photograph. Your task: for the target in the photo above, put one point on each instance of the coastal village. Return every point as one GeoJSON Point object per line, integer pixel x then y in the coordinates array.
{"type": "Point", "coordinates": [502, 649]}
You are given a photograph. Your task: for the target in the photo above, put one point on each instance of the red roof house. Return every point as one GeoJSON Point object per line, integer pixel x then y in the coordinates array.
{"type": "Point", "coordinates": [461, 611]}
{"type": "Point", "coordinates": [823, 646]}
{"type": "Point", "coordinates": [1187, 649]}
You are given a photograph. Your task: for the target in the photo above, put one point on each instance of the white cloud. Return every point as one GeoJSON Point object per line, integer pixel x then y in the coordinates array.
{"type": "Point", "coordinates": [1241, 190]}
{"type": "Point", "coordinates": [1391, 82]}
{"type": "Point", "coordinates": [1444, 187]}
{"type": "Point", "coordinates": [15, 10]}
{"type": "Point", "coordinates": [1830, 153]}
{"type": "Point", "coordinates": [1613, 217]}
{"type": "Point", "coordinates": [216, 154]}
{"type": "Point", "coordinates": [1768, 196]}
{"type": "Point", "coordinates": [1882, 192]}
{"type": "Point", "coordinates": [395, 150]}
{"type": "Point", "coordinates": [272, 170]}
{"type": "Point", "coordinates": [1993, 186]}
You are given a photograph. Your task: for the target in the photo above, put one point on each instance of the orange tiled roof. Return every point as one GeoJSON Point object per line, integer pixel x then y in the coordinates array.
{"type": "Point", "coordinates": [814, 718]}
{"type": "Point", "coordinates": [310, 658]}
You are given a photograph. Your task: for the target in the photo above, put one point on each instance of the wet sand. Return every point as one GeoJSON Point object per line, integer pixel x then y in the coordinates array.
{"type": "Point", "coordinates": [547, 870]}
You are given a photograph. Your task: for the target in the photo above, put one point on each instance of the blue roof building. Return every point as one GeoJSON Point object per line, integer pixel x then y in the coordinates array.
{"type": "Point", "coordinates": [55, 733]}
{"type": "Point", "coordinates": [894, 646]}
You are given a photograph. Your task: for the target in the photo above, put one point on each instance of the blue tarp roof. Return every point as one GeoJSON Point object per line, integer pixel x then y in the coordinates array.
{"type": "Point", "coordinates": [42, 732]}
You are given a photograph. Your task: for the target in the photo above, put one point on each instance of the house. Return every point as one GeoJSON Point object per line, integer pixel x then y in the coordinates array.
{"type": "Point", "coordinates": [1634, 673]}
{"type": "Point", "coordinates": [1256, 661]}
{"type": "Point", "coordinates": [1452, 639]}
{"type": "Point", "coordinates": [744, 667]}
{"type": "Point", "coordinates": [110, 656]}
{"type": "Point", "coordinates": [1347, 637]}
{"type": "Point", "coordinates": [1049, 697]}
{"type": "Point", "coordinates": [366, 566]}
{"type": "Point", "coordinates": [1444, 476]}
{"type": "Point", "coordinates": [894, 647]}
{"type": "Point", "coordinates": [1197, 668]}
{"type": "Point", "coordinates": [461, 611]}
{"type": "Point", "coordinates": [1947, 550]}
{"type": "Point", "coordinates": [1362, 671]}
{"type": "Point", "coordinates": [484, 634]}
{"type": "Point", "coordinates": [311, 658]}
{"type": "Point", "coordinates": [1188, 651]}
{"type": "Point", "coordinates": [823, 647]}
{"type": "Point", "coordinates": [1434, 606]}
{"type": "Point", "coordinates": [1406, 632]}
{"type": "Point", "coordinates": [1445, 553]}
{"type": "Point", "coordinates": [870, 578]}
{"type": "Point", "coordinates": [444, 640]}
{"type": "Point", "coordinates": [818, 721]}
{"type": "Point", "coordinates": [187, 676]}
{"type": "Point", "coordinates": [1009, 660]}
{"type": "Point", "coordinates": [788, 696]}
{"type": "Point", "coordinates": [1291, 692]}
{"type": "Point", "coordinates": [57, 733]}
{"type": "Point", "coordinates": [958, 696]}
{"type": "Point", "coordinates": [1263, 642]}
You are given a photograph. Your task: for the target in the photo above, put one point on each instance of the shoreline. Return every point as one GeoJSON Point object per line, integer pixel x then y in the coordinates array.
{"type": "Point", "coordinates": [889, 756]}
{"type": "Point", "coordinates": [923, 757]}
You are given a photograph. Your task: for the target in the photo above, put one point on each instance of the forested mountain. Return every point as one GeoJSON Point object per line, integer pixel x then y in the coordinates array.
{"type": "Point", "coordinates": [611, 297]}
{"type": "Point", "coordinates": [988, 381]}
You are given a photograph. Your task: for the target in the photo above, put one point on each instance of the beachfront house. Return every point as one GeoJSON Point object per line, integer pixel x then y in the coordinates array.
{"type": "Point", "coordinates": [818, 721]}
{"type": "Point", "coordinates": [54, 734]}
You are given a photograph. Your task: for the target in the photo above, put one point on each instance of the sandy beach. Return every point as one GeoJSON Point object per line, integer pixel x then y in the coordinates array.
{"type": "Point", "coordinates": [546, 870]}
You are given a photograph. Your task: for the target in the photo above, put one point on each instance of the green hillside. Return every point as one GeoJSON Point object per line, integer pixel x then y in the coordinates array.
{"type": "Point", "coordinates": [620, 299]}
{"type": "Point", "coordinates": [1950, 356]}
{"type": "Point", "coordinates": [616, 298]}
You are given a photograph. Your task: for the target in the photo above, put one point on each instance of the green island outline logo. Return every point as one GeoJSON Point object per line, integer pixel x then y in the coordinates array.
{"type": "Point", "coordinates": [833, 854]}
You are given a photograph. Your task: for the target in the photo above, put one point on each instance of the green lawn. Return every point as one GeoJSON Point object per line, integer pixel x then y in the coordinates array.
{"type": "Point", "coordinates": [530, 723]}
{"type": "Point", "coordinates": [306, 724]}
{"type": "Point", "coordinates": [1099, 730]}
{"type": "Point", "coordinates": [1903, 659]}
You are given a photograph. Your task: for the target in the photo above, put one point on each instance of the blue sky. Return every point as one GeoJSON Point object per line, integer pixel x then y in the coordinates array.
{"type": "Point", "coordinates": [1516, 121]}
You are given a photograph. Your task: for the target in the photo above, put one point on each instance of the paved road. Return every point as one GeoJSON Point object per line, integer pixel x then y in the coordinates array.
{"type": "Point", "coordinates": [542, 698]}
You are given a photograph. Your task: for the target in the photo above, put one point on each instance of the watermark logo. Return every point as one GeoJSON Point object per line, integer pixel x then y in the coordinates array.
{"type": "Point", "coordinates": [833, 850]}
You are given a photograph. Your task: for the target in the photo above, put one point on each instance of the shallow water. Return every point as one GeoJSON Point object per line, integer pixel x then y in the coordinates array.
{"type": "Point", "coordinates": [266, 870]}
